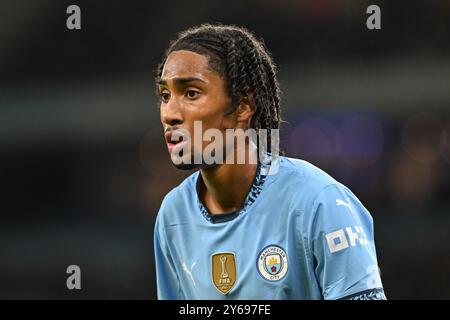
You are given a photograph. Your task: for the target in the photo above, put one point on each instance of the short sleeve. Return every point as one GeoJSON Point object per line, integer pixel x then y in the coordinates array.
{"type": "Point", "coordinates": [166, 276]}
{"type": "Point", "coordinates": [343, 247]}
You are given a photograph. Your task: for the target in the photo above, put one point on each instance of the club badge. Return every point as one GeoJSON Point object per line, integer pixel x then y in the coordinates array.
{"type": "Point", "coordinates": [272, 263]}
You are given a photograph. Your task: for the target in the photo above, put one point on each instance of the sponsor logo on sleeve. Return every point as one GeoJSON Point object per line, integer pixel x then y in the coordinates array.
{"type": "Point", "coordinates": [344, 238]}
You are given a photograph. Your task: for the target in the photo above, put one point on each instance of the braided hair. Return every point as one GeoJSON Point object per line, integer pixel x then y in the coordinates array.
{"type": "Point", "coordinates": [243, 61]}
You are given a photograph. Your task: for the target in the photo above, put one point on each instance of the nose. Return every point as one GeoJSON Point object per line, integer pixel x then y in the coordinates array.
{"type": "Point", "coordinates": [171, 113]}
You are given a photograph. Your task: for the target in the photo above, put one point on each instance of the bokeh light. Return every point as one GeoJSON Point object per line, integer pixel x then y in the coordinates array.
{"type": "Point", "coordinates": [446, 149]}
{"type": "Point", "coordinates": [360, 141]}
{"type": "Point", "coordinates": [423, 137]}
{"type": "Point", "coordinates": [313, 140]}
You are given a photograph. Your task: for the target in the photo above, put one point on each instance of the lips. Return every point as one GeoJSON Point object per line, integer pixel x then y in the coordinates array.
{"type": "Point", "coordinates": [175, 139]}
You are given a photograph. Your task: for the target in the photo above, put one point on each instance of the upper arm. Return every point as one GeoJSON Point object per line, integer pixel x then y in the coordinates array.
{"type": "Point", "coordinates": [343, 247]}
{"type": "Point", "coordinates": [166, 275]}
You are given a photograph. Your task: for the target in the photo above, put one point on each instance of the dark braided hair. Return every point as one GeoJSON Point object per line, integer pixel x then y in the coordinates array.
{"type": "Point", "coordinates": [243, 61]}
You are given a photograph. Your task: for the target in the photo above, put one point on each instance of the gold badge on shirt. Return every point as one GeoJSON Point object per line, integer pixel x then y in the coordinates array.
{"type": "Point", "coordinates": [223, 271]}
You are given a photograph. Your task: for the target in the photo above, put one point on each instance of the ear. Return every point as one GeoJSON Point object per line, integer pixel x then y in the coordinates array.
{"type": "Point", "coordinates": [246, 109]}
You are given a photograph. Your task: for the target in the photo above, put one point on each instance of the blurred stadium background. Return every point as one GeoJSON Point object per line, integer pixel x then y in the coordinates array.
{"type": "Point", "coordinates": [83, 164]}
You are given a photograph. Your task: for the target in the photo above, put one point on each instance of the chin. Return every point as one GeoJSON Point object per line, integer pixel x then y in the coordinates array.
{"type": "Point", "coordinates": [188, 164]}
{"type": "Point", "coordinates": [183, 162]}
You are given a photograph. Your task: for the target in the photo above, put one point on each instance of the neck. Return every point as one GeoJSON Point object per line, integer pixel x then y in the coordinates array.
{"type": "Point", "coordinates": [224, 187]}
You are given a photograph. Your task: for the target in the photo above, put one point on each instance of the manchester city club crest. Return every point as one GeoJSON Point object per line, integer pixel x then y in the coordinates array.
{"type": "Point", "coordinates": [272, 263]}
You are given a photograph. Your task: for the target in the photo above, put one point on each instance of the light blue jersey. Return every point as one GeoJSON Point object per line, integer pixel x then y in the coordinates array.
{"type": "Point", "coordinates": [300, 234]}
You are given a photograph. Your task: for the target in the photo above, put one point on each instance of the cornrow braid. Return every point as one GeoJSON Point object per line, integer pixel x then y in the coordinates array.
{"type": "Point", "coordinates": [243, 61]}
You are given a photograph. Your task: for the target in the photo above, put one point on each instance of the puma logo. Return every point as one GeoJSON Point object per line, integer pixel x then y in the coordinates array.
{"type": "Point", "coordinates": [189, 271]}
{"type": "Point", "coordinates": [340, 202]}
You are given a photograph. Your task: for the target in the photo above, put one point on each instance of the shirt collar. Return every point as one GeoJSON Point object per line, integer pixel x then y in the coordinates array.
{"type": "Point", "coordinates": [252, 195]}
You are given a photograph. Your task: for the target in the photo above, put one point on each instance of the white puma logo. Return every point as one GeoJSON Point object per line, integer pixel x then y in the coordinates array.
{"type": "Point", "coordinates": [340, 202]}
{"type": "Point", "coordinates": [189, 271]}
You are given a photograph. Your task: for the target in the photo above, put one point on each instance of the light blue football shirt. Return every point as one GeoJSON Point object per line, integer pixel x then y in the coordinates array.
{"type": "Point", "coordinates": [300, 234]}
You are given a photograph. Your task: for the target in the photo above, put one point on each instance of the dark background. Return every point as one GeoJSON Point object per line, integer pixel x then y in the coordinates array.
{"type": "Point", "coordinates": [83, 166]}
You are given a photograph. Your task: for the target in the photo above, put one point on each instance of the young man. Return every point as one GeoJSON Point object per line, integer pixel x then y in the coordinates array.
{"type": "Point", "coordinates": [277, 228]}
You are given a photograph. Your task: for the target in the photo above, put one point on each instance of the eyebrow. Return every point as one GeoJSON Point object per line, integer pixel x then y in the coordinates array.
{"type": "Point", "coordinates": [179, 81]}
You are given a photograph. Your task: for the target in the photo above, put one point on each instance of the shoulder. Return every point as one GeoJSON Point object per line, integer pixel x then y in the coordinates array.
{"type": "Point", "coordinates": [313, 192]}
{"type": "Point", "coordinates": [304, 180]}
{"type": "Point", "coordinates": [306, 172]}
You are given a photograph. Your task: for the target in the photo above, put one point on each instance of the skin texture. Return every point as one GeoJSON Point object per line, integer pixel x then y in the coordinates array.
{"type": "Point", "coordinates": [223, 187]}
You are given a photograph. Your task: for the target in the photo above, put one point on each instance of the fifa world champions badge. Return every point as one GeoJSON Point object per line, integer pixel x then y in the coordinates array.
{"type": "Point", "coordinates": [224, 271]}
